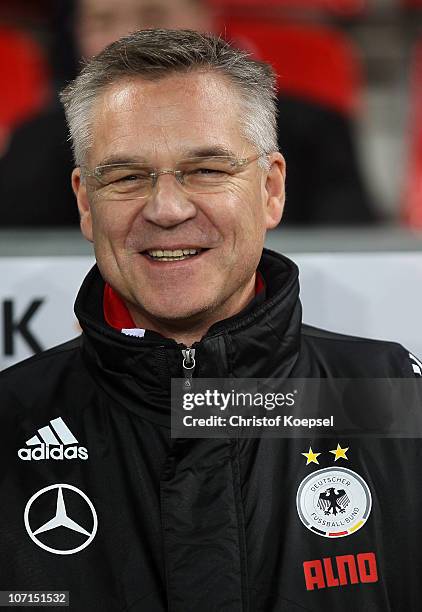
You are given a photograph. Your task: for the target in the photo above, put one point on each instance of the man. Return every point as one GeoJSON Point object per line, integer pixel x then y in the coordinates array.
{"type": "Point", "coordinates": [178, 178]}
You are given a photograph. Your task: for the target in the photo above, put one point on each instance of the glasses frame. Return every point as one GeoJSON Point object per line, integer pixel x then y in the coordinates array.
{"type": "Point", "coordinates": [238, 164]}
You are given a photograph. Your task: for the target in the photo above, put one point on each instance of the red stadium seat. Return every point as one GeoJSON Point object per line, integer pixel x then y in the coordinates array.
{"type": "Point", "coordinates": [24, 78]}
{"type": "Point", "coordinates": [412, 200]}
{"type": "Point", "coordinates": [411, 4]}
{"type": "Point", "coordinates": [314, 63]}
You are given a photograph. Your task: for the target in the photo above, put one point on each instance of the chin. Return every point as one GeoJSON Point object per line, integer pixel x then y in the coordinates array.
{"type": "Point", "coordinates": [175, 310]}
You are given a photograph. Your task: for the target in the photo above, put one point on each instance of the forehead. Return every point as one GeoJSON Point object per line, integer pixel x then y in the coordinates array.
{"type": "Point", "coordinates": [167, 117]}
{"type": "Point", "coordinates": [93, 7]}
{"type": "Point", "coordinates": [97, 7]}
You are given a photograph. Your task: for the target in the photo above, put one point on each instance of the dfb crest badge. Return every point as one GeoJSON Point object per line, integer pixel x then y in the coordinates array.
{"type": "Point", "coordinates": [333, 502]}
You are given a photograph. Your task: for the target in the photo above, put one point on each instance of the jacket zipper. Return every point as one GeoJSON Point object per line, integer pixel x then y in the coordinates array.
{"type": "Point", "coordinates": [188, 366]}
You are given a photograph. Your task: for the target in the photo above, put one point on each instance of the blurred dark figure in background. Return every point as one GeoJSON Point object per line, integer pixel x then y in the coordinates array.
{"type": "Point", "coordinates": [99, 22]}
{"type": "Point", "coordinates": [35, 170]}
{"type": "Point", "coordinates": [324, 183]}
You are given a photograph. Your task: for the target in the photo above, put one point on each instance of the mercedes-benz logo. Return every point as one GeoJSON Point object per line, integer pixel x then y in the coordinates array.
{"type": "Point", "coordinates": [61, 519]}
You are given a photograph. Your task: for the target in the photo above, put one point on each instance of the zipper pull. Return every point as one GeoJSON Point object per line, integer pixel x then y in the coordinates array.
{"type": "Point", "coordinates": [188, 366]}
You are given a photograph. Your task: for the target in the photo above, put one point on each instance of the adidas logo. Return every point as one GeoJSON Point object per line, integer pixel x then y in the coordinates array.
{"type": "Point", "coordinates": [54, 441]}
{"type": "Point", "coordinates": [416, 365]}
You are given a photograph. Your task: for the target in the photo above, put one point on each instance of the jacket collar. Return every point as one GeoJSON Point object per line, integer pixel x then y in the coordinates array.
{"type": "Point", "coordinates": [261, 341]}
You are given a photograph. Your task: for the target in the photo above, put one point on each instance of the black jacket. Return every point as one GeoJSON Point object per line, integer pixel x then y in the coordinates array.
{"type": "Point", "coordinates": [199, 525]}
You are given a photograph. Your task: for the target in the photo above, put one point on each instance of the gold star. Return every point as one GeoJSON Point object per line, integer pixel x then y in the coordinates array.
{"type": "Point", "coordinates": [311, 456]}
{"type": "Point", "coordinates": [340, 453]}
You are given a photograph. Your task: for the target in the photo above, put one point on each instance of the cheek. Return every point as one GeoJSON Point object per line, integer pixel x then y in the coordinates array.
{"type": "Point", "coordinates": [111, 223]}
{"type": "Point", "coordinates": [244, 211]}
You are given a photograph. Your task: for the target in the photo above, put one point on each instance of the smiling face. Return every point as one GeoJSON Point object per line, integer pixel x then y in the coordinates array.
{"type": "Point", "coordinates": [161, 123]}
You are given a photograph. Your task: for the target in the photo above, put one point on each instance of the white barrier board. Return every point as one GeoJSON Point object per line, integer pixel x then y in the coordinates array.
{"type": "Point", "coordinates": [47, 284]}
{"type": "Point", "coordinates": [374, 295]}
{"type": "Point", "coordinates": [377, 295]}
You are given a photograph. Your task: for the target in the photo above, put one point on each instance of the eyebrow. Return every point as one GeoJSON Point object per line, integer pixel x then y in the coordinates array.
{"type": "Point", "coordinates": [210, 152]}
{"type": "Point", "coordinates": [120, 159]}
{"type": "Point", "coordinates": [188, 153]}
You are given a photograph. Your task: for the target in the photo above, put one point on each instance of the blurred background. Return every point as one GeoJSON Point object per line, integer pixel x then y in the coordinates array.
{"type": "Point", "coordinates": [349, 76]}
{"type": "Point", "coordinates": [350, 98]}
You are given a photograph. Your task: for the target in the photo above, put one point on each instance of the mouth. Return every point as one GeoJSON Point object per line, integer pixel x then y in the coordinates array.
{"type": "Point", "coordinates": [165, 255]}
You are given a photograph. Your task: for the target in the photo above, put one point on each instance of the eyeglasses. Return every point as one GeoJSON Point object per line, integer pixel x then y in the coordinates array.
{"type": "Point", "coordinates": [197, 175]}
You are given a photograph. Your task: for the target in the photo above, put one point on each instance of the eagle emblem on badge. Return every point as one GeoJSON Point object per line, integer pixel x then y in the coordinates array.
{"type": "Point", "coordinates": [333, 501]}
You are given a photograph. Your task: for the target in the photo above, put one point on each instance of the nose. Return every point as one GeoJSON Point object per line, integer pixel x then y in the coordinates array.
{"type": "Point", "coordinates": [168, 205]}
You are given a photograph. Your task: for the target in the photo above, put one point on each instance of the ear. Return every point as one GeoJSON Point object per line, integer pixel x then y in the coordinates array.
{"type": "Point", "coordinates": [79, 189]}
{"type": "Point", "coordinates": [275, 189]}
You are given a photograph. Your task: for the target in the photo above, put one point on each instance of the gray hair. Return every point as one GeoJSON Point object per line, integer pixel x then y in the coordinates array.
{"type": "Point", "coordinates": [154, 54]}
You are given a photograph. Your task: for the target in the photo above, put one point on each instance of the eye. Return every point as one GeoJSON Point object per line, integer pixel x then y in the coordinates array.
{"type": "Point", "coordinates": [206, 171]}
{"type": "Point", "coordinates": [123, 177]}
{"type": "Point", "coordinates": [129, 178]}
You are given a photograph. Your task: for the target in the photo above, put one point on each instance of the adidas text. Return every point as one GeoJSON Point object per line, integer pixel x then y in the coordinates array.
{"type": "Point", "coordinates": [53, 452]}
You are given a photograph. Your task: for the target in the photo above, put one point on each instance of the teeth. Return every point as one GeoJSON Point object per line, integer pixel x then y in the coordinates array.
{"type": "Point", "coordinates": [177, 254]}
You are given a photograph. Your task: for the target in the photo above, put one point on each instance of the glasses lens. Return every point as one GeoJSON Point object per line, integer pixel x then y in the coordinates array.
{"type": "Point", "coordinates": [207, 175]}
{"type": "Point", "coordinates": [117, 182]}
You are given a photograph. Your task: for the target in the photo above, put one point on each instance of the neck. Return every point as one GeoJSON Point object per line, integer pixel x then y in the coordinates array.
{"type": "Point", "coordinates": [192, 329]}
